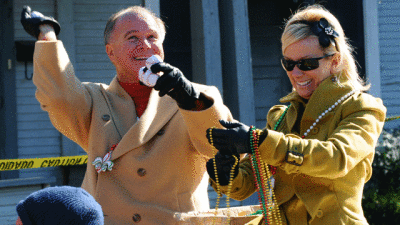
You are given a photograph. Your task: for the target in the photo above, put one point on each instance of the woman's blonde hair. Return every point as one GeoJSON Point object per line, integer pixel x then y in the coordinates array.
{"type": "Point", "coordinates": [296, 30]}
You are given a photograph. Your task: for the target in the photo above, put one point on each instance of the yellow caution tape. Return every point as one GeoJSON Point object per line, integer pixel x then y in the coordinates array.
{"type": "Point", "coordinates": [17, 164]}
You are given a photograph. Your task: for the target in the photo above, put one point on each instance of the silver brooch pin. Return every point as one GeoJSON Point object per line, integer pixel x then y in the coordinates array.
{"type": "Point", "coordinates": [105, 163]}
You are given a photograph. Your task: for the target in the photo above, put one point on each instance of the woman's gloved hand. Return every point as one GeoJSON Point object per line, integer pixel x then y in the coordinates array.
{"type": "Point", "coordinates": [176, 85]}
{"type": "Point", "coordinates": [31, 20]}
{"type": "Point", "coordinates": [224, 164]}
{"type": "Point", "coordinates": [233, 140]}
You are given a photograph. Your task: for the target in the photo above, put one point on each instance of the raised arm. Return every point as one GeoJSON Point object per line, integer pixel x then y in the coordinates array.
{"type": "Point", "coordinates": [59, 91]}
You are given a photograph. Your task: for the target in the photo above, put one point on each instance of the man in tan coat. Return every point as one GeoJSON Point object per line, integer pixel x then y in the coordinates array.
{"type": "Point", "coordinates": [152, 161]}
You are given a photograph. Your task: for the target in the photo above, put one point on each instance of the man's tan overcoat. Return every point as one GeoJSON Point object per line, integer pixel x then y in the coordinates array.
{"type": "Point", "coordinates": [159, 163]}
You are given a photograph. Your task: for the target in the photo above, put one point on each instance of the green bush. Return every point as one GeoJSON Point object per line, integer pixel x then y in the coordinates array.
{"type": "Point", "coordinates": [381, 199]}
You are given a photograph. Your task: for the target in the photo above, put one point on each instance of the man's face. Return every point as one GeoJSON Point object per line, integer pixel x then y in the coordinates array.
{"type": "Point", "coordinates": [134, 39]}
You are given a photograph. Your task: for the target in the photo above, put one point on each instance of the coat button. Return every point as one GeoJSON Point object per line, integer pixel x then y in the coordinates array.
{"type": "Point", "coordinates": [160, 132]}
{"type": "Point", "coordinates": [315, 130]}
{"type": "Point", "coordinates": [319, 213]}
{"type": "Point", "coordinates": [141, 172]}
{"type": "Point", "coordinates": [136, 218]}
{"type": "Point", "coordinates": [106, 117]}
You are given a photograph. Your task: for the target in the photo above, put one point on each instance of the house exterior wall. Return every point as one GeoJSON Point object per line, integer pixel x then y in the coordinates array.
{"type": "Point", "coordinates": [389, 45]}
{"type": "Point", "coordinates": [37, 138]}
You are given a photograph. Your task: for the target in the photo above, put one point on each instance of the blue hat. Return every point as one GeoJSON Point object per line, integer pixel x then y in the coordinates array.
{"type": "Point", "coordinates": [60, 205]}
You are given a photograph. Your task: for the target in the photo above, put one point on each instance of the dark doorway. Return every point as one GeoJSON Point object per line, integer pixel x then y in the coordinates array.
{"type": "Point", "coordinates": [8, 114]}
{"type": "Point", "coordinates": [177, 44]}
{"type": "Point", "coordinates": [351, 17]}
{"type": "Point", "coordinates": [266, 20]}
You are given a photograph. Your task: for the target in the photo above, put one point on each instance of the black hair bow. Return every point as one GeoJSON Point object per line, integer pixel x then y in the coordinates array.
{"type": "Point", "coordinates": [326, 34]}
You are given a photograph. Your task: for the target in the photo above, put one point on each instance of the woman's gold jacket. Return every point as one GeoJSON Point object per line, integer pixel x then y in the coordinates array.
{"type": "Point", "coordinates": [324, 172]}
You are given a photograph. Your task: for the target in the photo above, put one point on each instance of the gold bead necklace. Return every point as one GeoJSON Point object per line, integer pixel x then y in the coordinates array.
{"type": "Point", "coordinates": [218, 185]}
{"type": "Point", "coordinates": [262, 177]}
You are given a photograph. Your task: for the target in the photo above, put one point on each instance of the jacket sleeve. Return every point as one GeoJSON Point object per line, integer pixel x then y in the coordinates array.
{"type": "Point", "coordinates": [348, 142]}
{"type": "Point", "coordinates": [60, 93]}
{"type": "Point", "coordinates": [198, 122]}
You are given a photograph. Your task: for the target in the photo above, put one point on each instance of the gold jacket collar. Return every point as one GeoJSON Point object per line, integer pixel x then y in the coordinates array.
{"type": "Point", "coordinates": [326, 94]}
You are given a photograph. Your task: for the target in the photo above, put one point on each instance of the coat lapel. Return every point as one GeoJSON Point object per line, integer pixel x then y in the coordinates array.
{"type": "Point", "coordinates": [158, 112]}
{"type": "Point", "coordinates": [292, 114]}
{"type": "Point", "coordinates": [121, 106]}
{"type": "Point", "coordinates": [327, 93]}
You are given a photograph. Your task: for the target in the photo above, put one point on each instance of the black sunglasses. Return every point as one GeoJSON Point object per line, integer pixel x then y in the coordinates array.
{"type": "Point", "coordinates": [303, 64]}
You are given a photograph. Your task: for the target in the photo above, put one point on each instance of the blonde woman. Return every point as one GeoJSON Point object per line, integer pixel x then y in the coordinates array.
{"type": "Point", "coordinates": [320, 143]}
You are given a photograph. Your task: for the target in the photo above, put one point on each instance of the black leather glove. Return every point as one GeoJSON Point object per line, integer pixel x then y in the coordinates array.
{"type": "Point", "coordinates": [224, 166]}
{"type": "Point", "coordinates": [233, 140]}
{"type": "Point", "coordinates": [176, 85]}
{"type": "Point", "coordinates": [32, 20]}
